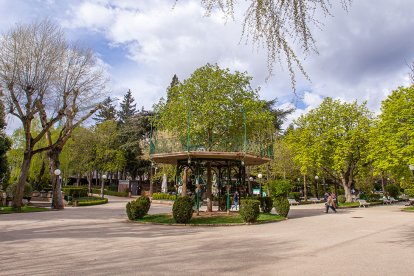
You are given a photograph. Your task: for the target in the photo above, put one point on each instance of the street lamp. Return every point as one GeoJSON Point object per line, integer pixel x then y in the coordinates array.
{"type": "Point", "coordinates": [317, 186]}
{"type": "Point", "coordinates": [57, 172]}
{"type": "Point", "coordinates": [260, 182]}
{"type": "Point", "coordinates": [104, 177]}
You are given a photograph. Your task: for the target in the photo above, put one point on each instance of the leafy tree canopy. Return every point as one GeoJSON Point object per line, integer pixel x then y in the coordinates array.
{"type": "Point", "coordinates": [214, 100]}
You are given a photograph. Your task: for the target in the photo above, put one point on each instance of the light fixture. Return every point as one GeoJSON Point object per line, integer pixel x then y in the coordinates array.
{"type": "Point", "coordinates": [260, 175]}
{"type": "Point", "coordinates": [316, 177]}
{"type": "Point", "coordinates": [57, 172]}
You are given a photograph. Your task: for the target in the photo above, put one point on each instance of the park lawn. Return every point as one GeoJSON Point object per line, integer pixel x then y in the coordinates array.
{"type": "Point", "coordinates": [90, 200]}
{"type": "Point", "coordinates": [233, 218]}
{"type": "Point", "coordinates": [408, 209]}
{"type": "Point", "coordinates": [25, 209]}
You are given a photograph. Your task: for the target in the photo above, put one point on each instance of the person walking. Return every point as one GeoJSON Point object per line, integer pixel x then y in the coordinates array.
{"type": "Point", "coordinates": [330, 203]}
{"type": "Point", "coordinates": [235, 200]}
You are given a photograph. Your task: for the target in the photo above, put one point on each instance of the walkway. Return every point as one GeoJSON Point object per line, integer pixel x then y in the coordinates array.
{"type": "Point", "coordinates": [97, 240]}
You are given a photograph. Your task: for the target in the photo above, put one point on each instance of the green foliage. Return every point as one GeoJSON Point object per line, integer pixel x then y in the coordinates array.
{"type": "Point", "coordinates": [282, 205]}
{"type": "Point", "coordinates": [92, 201]}
{"type": "Point", "coordinates": [392, 190]}
{"type": "Point", "coordinates": [371, 197]}
{"type": "Point", "coordinates": [266, 203]}
{"type": "Point", "coordinates": [163, 196]}
{"type": "Point", "coordinates": [111, 193]}
{"type": "Point", "coordinates": [332, 137]}
{"type": "Point", "coordinates": [409, 192]}
{"type": "Point", "coordinates": [217, 98]}
{"type": "Point", "coordinates": [390, 145]}
{"type": "Point", "coordinates": [280, 187]}
{"type": "Point", "coordinates": [341, 199]}
{"type": "Point", "coordinates": [107, 111]}
{"type": "Point", "coordinates": [11, 190]}
{"type": "Point", "coordinates": [183, 209]}
{"type": "Point", "coordinates": [138, 208]}
{"type": "Point", "coordinates": [249, 210]}
{"type": "Point", "coordinates": [128, 109]}
{"type": "Point", "coordinates": [75, 192]}
{"type": "Point", "coordinates": [295, 195]}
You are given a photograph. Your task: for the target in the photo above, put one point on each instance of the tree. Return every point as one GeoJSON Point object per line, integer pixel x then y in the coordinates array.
{"type": "Point", "coordinates": [128, 109]}
{"type": "Point", "coordinates": [391, 140]}
{"type": "Point", "coordinates": [106, 112]}
{"type": "Point", "coordinates": [45, 76]}
{"type": "Point", "coordinates": [333, 138]}
{"type": "Point", "coordinates": [174, 82]}
{"type": "Point", "coordinates": [211, 104]}
{"type": "Point", "coordinates": [275, 24]}
{"type": "Point", "coordinates": [5, 144]}
{"type": "Point", "coordinates": [279, 115]}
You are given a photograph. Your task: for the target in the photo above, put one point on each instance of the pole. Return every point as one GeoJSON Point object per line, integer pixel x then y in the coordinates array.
{"type": "Point", "coordinates": [188, 130]}
{"type": "Point", "coordinates": [245, 130]}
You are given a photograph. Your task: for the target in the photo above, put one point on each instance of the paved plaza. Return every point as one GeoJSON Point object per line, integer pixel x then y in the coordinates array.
{"type": "Point", "coordinates": [98, 240]}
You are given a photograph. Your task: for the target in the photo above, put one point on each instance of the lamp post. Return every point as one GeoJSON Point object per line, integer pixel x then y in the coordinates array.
{"type": "Point", "coordinates": [317, 186]}
{"type": "Point", "coordinates": [57, 172]}
{"type": "Point", "coordinates": [103, 185]}
{"type": "Point", "coordinates": [260, 182]}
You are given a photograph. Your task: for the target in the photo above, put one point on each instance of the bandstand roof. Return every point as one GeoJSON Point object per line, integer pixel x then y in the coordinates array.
{"type": "Point", "coordinates": [174, 157]}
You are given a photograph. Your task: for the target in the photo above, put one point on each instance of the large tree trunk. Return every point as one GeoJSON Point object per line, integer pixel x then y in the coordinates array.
{"type": "Point", "coordinates": [346, 182]}
{"type": "Point", "coordinates": [208, 190]}
{"type": "Point", "coordinates": [54, 163]}
{"type": "Point", "coordinates": [24, 172]}
{"type": "Point", "coordinates": [185, 179]}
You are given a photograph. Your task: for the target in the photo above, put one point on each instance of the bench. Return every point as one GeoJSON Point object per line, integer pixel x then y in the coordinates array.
{"type": "Point", "coordinates": [293, 201]}
{"type": "Point", "coordinates": [386, 200]}
{"type": "Point", "coordinates": [363, 203]}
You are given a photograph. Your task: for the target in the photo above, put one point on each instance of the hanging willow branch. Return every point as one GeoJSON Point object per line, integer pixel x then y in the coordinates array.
{"type": "Point", "coordinates": [278, 25]}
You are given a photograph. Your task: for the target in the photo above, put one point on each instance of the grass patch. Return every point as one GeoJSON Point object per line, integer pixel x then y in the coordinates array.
{"type": "Point", "coordinates": [408, 209]}
{"type": "Point", "coordinates": [232, 218]}
{"type": "Point", "coordinates": [25, 209]}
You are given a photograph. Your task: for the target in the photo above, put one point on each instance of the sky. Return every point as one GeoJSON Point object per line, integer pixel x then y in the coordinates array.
{"type": "Point", "coordinates": [362, 52]}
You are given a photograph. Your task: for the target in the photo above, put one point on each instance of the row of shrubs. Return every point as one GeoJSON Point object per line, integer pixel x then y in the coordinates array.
{"type": "Point", "coordinates": [163, 196]}
{"type": "Point", "coordinates": [75, 192]}
{"type": "Point", "coordinates": [111, 193]}
{"type": "Point", "coordinates": [93, 202]}
{"type": "Point", "coordinates": [183, 208]}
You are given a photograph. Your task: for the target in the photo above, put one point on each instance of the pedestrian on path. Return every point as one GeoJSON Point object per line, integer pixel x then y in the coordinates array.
{"type": "Point", "coordinates": [235, 200]}
{"type": "Point", "coordinates": [330, 203]}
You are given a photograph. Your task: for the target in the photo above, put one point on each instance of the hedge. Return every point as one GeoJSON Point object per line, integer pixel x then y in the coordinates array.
{"type": "Point", "coordinates": [138, 208]}
{"type": "Point", "coordinates": [163, 196]}
{"type": "Point", "coordinates": [75, 192]}
{"type": "Point", "coordinates": [409, 192]}
{"type": "Point", "coordinates": [93, 202]}
{"type": "Point", "coordinates": [282, 206]}
{"type": "Point", "coordinates": [266, 203]}
{"type": "Point", "coordinates": [111, 193]}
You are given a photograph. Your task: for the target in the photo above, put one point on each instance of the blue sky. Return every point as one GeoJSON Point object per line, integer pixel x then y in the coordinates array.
{"type": "Point", "coordinates": [363, 53]}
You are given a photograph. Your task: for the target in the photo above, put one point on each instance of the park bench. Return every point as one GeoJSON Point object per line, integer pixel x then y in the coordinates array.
{"type": "Point", "coordinates": [363, 203]}
{"type": "Point", "coordinates": [315, 200]}
{"type": "Point", "coordinates": [386, 200]}
{"type": "Point", "coordinates": [293, 201]}
{"type": "Point", "coordinates": [393, 200]}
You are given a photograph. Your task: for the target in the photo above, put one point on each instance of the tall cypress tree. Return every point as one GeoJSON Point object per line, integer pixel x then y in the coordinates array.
{"type": "Point", "coordinates": [128, 108]}
{"type": "Point", "coordinates": [174, 82]}
{"type": "Point", "coordinates": [107, 112]}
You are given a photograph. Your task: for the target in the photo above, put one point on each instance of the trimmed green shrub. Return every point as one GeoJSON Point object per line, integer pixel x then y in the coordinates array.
{"type": "Point", "coordinates": [249, 210]}
{"type": "Point", "coordinates": [11, 190]}
{"type": "Point", "coordinates": [183, 209]}
{"type": "Point", "coordinates": [138, 208]}
{"type": "Point", "coordinates": [282, 205]}
{"type": "Point", "coordinates": [266, 204]}
{"type": "Point", "coordinates": [341, 199]}
{"type": "Point", "coordinates": [295, 195]}
{"type": "Point", "coordinates": [163, 196]}
{"type": "Point", "coordinates": [131, 216]}
{"type": "Point", "coordinates": [392, 190]}
{"type": "Point", "coordinates": [75, 192]}
{"type": "Point", "coordinates": [93, 202]}
{"type": "Point", "coordinates": [409, 192]}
